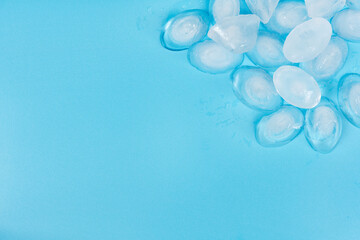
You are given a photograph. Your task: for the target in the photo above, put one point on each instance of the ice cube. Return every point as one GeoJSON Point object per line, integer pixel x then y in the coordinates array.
{"type": "Point", "coordinates": [297, 87]}
{"type": "Point", "coordinates": [329, 62]}
{"type": "Point", "coordinates": [280, 127]}
{"type": "Point", "coordinates": [255, 88]}
{"type": "Point", "coordinates": [307, 40]}
{"type": "Point", "coordinates": [221, 9]}
{"type": "Point", "coordinates": [185, 29]}
{"type": "Point", "coordinates": [287, 16]}
{"type": "Point", "coordinates": [268, 51]}
{"type": "Point", "coordinates": [211, 57]}
{"type": "Point", "coordinates": [262, 8]}
{"type": "Point", "coordinates": [324, 8]}
{"type": "Point", "coordinates": [237, 34]}
{"type": "Point", "coordinates": [347, 24]}
{"type": "Point", "coordinates": [323, 126]}
{"type": "Point", "coordinates": [353, 4]}
{"type": "Point", "coordinates": [349, 97]}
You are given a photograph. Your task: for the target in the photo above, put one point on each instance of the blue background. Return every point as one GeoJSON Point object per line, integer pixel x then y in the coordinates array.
{"type": "Point", "coordinates": [106, 135]}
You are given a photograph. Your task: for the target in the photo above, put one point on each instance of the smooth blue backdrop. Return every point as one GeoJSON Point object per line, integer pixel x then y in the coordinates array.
{"type": "Point", "coordinates": [106, 135]}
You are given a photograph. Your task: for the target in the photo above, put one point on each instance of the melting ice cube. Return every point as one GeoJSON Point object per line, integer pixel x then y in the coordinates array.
{"type": "Point", "coordinates": [353, 4]}
{"type": "Point", "coordinates": [329, 62]}
{"type": "Point", "coordinates": [287, 16]}
{"type": "Point", "coordinates": [349, 97]}
{"type": "Point", "coordinates": [280, 127]}
{"type": "Point", "coordinates": [347, 24]}
{"type": "Point", "coordinates": [238, 34]}
{"type": "Point", "coordinates": [263, 8]}
{"type": "Point", "coordinates": [307, 40]}
{"type": "Point", "coordinates": [254, 87]}
{"type": "Point", "coordinates": [185, 29]}
{"type": "Point", "coordinates": [221, 9]}
{"type": "Point", "coordinates": [323, 126]}
{"type": "Point", "coordinates": [297, 87]}
{"type": "Point", "coordinates": [324, 8]}
{"type": "Point", "coordinates": [211, 57]}
{"type": "Point", "coordinates": [268, 51]}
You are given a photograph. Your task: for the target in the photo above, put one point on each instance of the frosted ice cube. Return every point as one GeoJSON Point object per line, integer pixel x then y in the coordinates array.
{"type": "Point", "coordinates": [307, 40]}
{"type": "Point", "coordinates": [255, 88]}
{"type": "Point", "coordinates": [211, 57]}
{"type": "Point", "coordinates": [349, 97]}
{"type": "Point", "coordinates": [268, 51]}
{"type": "Point", "coordinates": [185, 29]}
{"type": "Point", "coordinates": [346, 24]}
{"type": "Point", "coordinates": [280, 127]}
{"type": "Point", "coordinates": [221, 9]}
{"type": "Point", "coordinates": [353, 4]}
{"type": "Point", "coordinates": [297, 87]}
{"type": "Point", "coordinates": [324, 8]}
{"type": "Point", "coordinates": [262, 8]}
{"type": "Point", "coordinates": [323, 126]}
{"type": "Point", "coordinates": [287, 16]}
{"type": "Point", "coordinates": [238, 34]}
{"type": "Point", "coordinates": [329, 62]}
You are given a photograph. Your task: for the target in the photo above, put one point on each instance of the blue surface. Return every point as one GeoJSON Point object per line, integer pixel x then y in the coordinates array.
{"type": "Point", "coordinates": [107, 135]}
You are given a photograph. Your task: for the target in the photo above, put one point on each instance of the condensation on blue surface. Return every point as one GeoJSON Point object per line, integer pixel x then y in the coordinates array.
{"type": "Point", "coordinates": [323, 126]}
{"type": "Point", "coordinates": [107, 135]}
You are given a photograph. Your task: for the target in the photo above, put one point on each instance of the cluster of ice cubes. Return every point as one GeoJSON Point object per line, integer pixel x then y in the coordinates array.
{"type": "Point", "coordinates": [297, 48]}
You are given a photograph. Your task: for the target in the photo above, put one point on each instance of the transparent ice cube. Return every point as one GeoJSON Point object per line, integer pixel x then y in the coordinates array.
{"type": "Point", "coordinates": [268, 51]}
{"type": "Point", "coordinates": [297, 87]}
{"type": "Point", "coordinates": [329, 62]}
{"type": "Point", "coordinates": [211, 57]}
{"type": "Point", "coordinates": [237, 34]}
{"type": "Point", "coordinates": [346, 24]}
{"type": "Point", "coordinates": [307, 40]}
{"type": "Point", "coordinates": [262, 8]}
{"type": "Point", "coordinates": [353, 4]}
{"type": "Point", "coordinates": [287, 16]}
{"type": "Point", "coordinates": [323, 126]}
{"type": "Point", "coordinates": [221, 9]}
{"type": "Point", "coordinates": [280, 127]}
{"type": "Point", "coordinates": [185, 29]}
{"type": "Point", "coordinates": [349, 97]}
{"type": "Point", "coordinates": [324, 8]}
{"type": "Point", "coordinates": [254, 87]}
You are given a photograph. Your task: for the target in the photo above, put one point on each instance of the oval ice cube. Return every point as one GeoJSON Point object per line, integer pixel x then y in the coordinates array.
{"type": "Point", "coordinates": [329, 62]}
{"type": "Point", "coordinates": [264, 9]}
{"type": "Point", "coordinates": [280, 127]}
{"type": "Point", "coordinates": [353, 4]}
{"type": "Point", "coordinates": [307, 40]}
{"type": "Point", "coordinates": [324, 8]}
{"type": "Point", "coordinates": [323, 126]}
{"type": "Point", "coordinates": [221, 9]}
{"type": "Point", "coordinates": [297, 87]}
{"type": "Point", "coordinates": [268, 52]}
{"type": "Point", "coordinates": [255, 88]}
{"type": "Point", "coordinates": [349, 97]}
{"type": "Point", "coordinates": [185, 29]}
{"type": "Point", "coordinates": [346, 24]}
{"type": "Point", "coordinates": [237, 34]}
{"type": "Point", "coordinates": [211, 57]}
{"type": "Point", "coordinates": [287, 16]}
